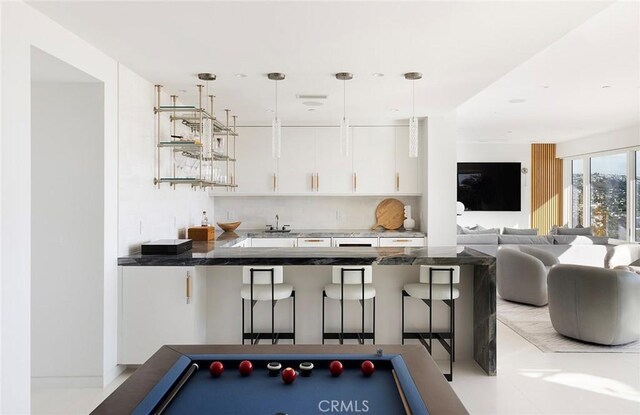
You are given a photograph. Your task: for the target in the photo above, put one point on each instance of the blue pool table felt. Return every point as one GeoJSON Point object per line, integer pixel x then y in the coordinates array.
{"type": "Point", "coordinates": [260, 393]}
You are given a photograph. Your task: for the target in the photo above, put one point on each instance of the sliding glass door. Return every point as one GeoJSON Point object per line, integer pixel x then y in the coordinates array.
{"type": "Point", "coordinates": [636, 220]}
{"type": "Point", "coordinates": [609, 195]}
{"type": "Point", "coordinates": [577, 192]}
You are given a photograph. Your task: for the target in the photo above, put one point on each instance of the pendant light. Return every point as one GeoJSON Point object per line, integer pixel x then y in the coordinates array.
{"type": "Point", "coordinates": [413, 121]}
{"type": "Point", "coordinates": [345, 143]}
{"type": "Point", "coordinates": [276, 125]}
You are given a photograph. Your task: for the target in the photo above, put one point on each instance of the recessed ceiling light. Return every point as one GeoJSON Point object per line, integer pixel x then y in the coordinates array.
{"type": "Point", "coordinates": [311, 96]}
{"type": "Point", "coordinates": [509, 132]}
{"type": "Point", "coordinates": [313, 103]}
{"type": "Point", "coordinates": [311, 109]}
{"type": "Point", "coordinates": [545, 86]}
{"type": "Point", "coordinates": [241, 75]}
{"type": "Point", "coordinates": [182, 90]}
{"type": "Point", "coordinates": [269, 110]}
{"type": "Point", "coordinates": [517, 100]}
{"type": "Point", "coordinates": [395, 109]}
{"type": "Point", "coordinates": [378, 75]}
{"type": "Point", "coordinates": [606, 86]}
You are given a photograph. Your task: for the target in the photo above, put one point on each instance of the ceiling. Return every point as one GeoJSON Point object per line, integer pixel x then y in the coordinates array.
{"type": "Point", "coordinates": [48, 68]}
{"type": "Point", "coordinates": [585, 83]}
{"type": "Point", "coordinates": [460, 47]}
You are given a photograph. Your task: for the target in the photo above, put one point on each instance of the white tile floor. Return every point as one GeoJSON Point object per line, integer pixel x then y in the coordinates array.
{"type": "Point", "coordinates": [529, 382]}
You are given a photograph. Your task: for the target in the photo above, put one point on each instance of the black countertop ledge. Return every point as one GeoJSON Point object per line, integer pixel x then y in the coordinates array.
{"type": "Point", "coordinates": [207, 253]}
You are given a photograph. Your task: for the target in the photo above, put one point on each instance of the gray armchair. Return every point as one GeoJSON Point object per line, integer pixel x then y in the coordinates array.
{"type": "Point", "coordinates": [521, 274]}
{"type": "Point", "coordinates": [596, 305]}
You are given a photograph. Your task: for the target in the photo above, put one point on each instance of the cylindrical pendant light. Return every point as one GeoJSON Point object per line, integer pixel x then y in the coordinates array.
{"type": "Point", "coordinates": [276, 124]}
{"type": "Point", "coordinates": [413, 121]}
{"type": "Point", "coordinates": [345, 142]}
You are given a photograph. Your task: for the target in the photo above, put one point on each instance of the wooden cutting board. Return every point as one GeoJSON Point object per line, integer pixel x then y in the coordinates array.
{"type": "Point", "coordinates": [389, 214]}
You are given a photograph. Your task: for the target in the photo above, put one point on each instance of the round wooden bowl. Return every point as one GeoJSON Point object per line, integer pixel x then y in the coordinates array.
{"type": "Point", "coordinates": [228, 227]}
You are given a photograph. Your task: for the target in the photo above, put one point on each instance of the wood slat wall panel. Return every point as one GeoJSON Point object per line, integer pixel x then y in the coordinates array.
{"type": "Point", "coordinates": [546, 187]}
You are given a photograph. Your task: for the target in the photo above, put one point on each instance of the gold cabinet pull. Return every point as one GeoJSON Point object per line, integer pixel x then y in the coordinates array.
{"type": "Point", "coordinates": [313, 240]}
{"type": "Point", "coordinates": [397, 182]}
{"type": "Point", "coordinates": [188, 287]}
{"type": "Point", "coordinates": [355, 182]}
{"type": "Point", "coordinates": [274, 182]}
{"type": "Point", "coordinates": [312, 187]}
{"type": "Point", "coordinates": [317, 182]}
{"type": "Point", "coordinates": [402, 240]}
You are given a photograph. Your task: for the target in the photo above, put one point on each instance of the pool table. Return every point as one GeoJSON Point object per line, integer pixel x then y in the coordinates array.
{"type": "Point", "coordinates": [177, 379]}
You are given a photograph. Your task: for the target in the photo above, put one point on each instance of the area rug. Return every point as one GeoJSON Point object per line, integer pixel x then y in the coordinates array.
{"type": "Point", "coordinates": [534, 324]}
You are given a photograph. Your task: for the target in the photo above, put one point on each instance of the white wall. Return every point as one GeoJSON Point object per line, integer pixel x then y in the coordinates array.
{"type": "Point", "coordinates": [305, 212]}
{"type": "Point", "coordinates": [499, 152]}
{"type": "Point", "coordinates": [22, 27]}
{"type": "Point", "coordinates": [612, 140]}
{"type": "Point", "coordinates": [67, 231]}
{"type": "Point", "coordinates": [441, 180]}
{"type": "Point", "coordinates": [146, 213]}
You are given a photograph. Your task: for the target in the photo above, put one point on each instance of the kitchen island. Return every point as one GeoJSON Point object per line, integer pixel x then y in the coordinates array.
{"type": "Point", "coordinates": [219, 256]}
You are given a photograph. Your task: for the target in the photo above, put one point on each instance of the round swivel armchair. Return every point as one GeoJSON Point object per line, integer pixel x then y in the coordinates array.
{"type": "Point", "coordinates": [595, 305]}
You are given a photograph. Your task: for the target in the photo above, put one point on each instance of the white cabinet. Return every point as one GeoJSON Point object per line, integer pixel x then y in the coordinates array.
{"type": "Point", "coordinates": [374, 169]}
{"type": "Point", "coordinates": [402, 242]}
{"type": "Point", "coordinates": [256, 169]}
{"type": "Point", "coordinates": [314, 242]}
{"type": "Point", "coordinates": [273, 242]}
{"type": "Point", "coordinates": [333, 171]}
{"type": "Point", "coordinates": [297, 164]}
{"type": "Point", "coordinates": [158, 306]}
{"type": "Point", "coordinates": [407, 168]}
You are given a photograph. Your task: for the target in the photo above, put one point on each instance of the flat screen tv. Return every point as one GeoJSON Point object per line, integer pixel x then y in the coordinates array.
{"type": "Point", "coordinates": [489, 186]}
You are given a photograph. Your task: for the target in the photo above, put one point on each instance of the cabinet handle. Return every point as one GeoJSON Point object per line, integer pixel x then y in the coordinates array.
{"type": "Point", "coordinates": [355, 182]}
{"type": "Point", "coordinates": [188, 287]}
{"type": "Point", "coordinates": [313, 240]}
{"type": "Point", "coordinates": [274, 182]}
{"type": "Point", "coordinates": [317, 182]}
{"type": "Point", "coordinates": [402, 240]}
{"type": "Point", "coordinates": [312, 187]}
{"type": "Point", "coordinates": [397, 182]}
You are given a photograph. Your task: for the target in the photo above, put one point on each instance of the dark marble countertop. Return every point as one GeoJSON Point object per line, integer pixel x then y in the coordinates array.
{"type": "Point", "coordinates": [211, 253]}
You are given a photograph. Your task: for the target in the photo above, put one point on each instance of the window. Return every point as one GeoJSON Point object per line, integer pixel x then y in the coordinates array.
{"type": "Point", "coordinates": [577, 193]}
{"type": "Point", "coordinates": [609, 195]}
{"type": "Point", "coordinates": [637, 218]}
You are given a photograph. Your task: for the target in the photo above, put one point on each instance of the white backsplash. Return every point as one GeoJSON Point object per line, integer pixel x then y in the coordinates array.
{"type": "Point", "coordinates": [305, 212]}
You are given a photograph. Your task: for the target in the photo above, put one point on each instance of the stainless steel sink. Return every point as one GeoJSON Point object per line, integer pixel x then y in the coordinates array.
{"type": "Point", "coordinates": [277, 231]}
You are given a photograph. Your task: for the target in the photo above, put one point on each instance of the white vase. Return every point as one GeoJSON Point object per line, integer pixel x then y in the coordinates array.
{"type": "Point", "coordinates": [409, 224]}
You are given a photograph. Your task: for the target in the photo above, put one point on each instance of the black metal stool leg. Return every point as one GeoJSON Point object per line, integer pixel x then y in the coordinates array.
{"type": "Point", "coordinates": [362, 302]}
{"type": "Point", "coordinates": [403, 316]}
{"type": "Point", "coordinates": [453, 330]}
{"type": "Point", "coordinates": [273, 306]}
{"type": "Point", "coordinates": [374, 321]}
{"type": "Point", "coordinates": [342, 306]}
{"type": "Point", "coordinates": [252, 304]}
{"type": "Point", "coordinates": [293, 295]}
{"type": "Point", "coordinates": [242, 301]}
{"type": "Point", "coordinates": [324, 294]}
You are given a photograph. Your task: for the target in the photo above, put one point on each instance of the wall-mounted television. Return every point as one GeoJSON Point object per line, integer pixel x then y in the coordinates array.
{"type": "Point", "coordinates": [489, 186]}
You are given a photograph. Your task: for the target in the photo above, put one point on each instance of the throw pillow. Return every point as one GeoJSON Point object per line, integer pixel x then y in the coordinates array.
{"type": "Point", "coordinates": [574, 231]}
{"type": "Point", "coordinates": [518, 231]}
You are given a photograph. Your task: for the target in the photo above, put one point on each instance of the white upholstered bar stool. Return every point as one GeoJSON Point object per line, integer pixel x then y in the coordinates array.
{"type": "Point", "coordinates": [265, 283]}
{"type": "Point", "coordinates": [351, 283]}
{"type": "Point", "coordinates": [436, 283]}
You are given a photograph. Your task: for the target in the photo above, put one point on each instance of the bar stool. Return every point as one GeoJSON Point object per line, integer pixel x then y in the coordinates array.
{"type": "Point", "coordinates": [350, 283]}
{"type": "Point", "coordinates": [437, 283]}
{"type": "Point", "coordinates": [265, 283]}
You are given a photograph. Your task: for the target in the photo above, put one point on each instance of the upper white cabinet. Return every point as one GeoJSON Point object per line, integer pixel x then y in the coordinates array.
{"type": "Point", "coordinates": [311, 162]}
{"type": "Point", "coordinates": [256, 169]}
{"type": "Point", "coordinates": [407, 168]}
{"type": "Point", "coordinates": [333, 170]}
{"type": "Point", "coordinates": [297, 164]}
{"type": "Point", "coordinates": [374, 169]}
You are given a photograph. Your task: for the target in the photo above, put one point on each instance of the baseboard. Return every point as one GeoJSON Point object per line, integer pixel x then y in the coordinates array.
{"type": "Point", "coordinates": [66, 382]}
{"type": "Point", "coordinates": [112, 374]}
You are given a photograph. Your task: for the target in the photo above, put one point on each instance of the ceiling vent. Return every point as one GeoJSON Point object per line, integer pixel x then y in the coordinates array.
{"type": "Point", "coordinates": [311, 96]}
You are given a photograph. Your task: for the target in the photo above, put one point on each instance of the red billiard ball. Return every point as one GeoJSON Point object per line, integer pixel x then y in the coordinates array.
{"type": "Point", "coordinates": [216, 369]}
{"type": "Point", "coordinates": [245, 368]}
{"type": "Point", "coordinates": [289, 375]}
{"type": "Point", "coordinates": [367, 368]}
{"type": "Point", "coordinates": [335, 368]}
